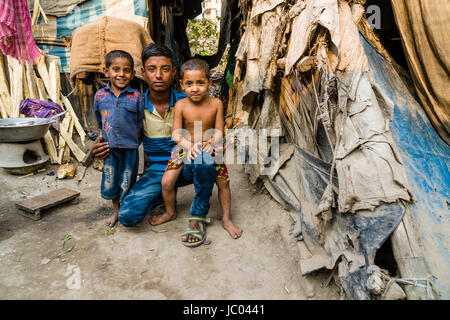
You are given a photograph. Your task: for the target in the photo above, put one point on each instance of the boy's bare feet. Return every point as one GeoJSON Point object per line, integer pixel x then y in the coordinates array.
{"type": "Point", "coordinates": [111, 221]}
{"type": "Point", "coordinates": [234, 231]}
{"type": "Point", "coordinates": [161, 218]}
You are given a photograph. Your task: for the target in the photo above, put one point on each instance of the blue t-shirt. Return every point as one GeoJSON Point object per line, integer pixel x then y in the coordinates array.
{"type": "Point", "coordinates": [120, 118]}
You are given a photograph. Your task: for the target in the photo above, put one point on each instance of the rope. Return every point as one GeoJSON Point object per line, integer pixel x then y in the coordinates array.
{"type": "Point", "coordinates": [423, 283]}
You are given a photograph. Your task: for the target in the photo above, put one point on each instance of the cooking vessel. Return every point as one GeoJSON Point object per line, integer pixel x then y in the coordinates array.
{"type": "Point", "coordinates": [25, 129]}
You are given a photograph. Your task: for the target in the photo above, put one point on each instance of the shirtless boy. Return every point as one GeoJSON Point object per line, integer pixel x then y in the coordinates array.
{"type": "Point", "coordinates": [193, 158]}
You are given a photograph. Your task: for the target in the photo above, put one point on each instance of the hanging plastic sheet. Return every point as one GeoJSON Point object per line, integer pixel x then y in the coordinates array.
{"type": "Point", "coordinates": [427, 158]}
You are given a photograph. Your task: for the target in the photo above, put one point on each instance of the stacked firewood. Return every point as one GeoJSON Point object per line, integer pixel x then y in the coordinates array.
{"type": "Point", "coordinates": [41, 81]}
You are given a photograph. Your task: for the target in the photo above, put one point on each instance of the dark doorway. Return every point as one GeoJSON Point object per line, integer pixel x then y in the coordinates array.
{"type": "Point", "coordinates": [380, 14]}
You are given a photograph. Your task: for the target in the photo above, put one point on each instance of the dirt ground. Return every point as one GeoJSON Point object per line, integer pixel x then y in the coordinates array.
{"type": "Point", "coordinates": [71, 254]}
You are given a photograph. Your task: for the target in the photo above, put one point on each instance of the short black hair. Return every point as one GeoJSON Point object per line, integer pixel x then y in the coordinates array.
{"type": "Point", "coordinates": [118, 54]}
{"type": "Point", "coordinates": [156, 50]}
{"type": "Point", "coordinates": [195, 64]}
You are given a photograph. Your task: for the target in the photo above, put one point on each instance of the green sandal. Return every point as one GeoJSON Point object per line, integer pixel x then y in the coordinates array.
{"type": "Point", "coordinates": [200, 234]}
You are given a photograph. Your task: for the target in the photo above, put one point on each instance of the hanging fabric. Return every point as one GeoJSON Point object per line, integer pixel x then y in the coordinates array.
{"type": "Point", "coordinates": [16, 37]}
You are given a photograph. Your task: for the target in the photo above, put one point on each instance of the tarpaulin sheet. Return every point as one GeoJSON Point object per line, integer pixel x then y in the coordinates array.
{"type": "Point", "coordinates": [424, 29]}
{"type": "Point", "coordinates": [57, 7]}
{"type": "Point", "coordinates": [350, 241]}
{"type": "Point", "coordinates": [82, 14]}
{"type": "Point", "coordinates": [426, 158]}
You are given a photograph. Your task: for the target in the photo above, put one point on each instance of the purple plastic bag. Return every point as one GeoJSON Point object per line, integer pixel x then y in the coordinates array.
{"type": "Point", "coordinates": [40, 108]}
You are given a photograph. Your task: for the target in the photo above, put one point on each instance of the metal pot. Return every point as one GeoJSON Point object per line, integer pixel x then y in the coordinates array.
{"type": "Point", "coordinates": [25, 129]}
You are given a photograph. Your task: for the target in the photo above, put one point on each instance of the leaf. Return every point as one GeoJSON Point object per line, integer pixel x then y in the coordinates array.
{"type": "Point", "coordinates": [110, 231]}
{"type": "Point", "coordinates": [159, 231]}
{"type": "Point", "coordinates": [67, 237]}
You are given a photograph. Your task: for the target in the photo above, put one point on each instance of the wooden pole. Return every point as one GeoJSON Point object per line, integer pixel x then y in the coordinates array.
{"type": "Point", "coordinates": [77, 123]}
{"type": "Point", "coordinates": [16, 79]}
{"type": "Point", "coordinates": [5, 98]}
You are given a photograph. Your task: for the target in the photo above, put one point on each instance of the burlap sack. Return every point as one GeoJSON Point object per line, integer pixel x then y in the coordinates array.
{"type": "Point", "coordinates": [91, 43]}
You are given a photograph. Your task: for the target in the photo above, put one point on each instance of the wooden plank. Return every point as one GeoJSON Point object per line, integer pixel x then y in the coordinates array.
{"type": "Point", "coordinates": [31, 81]}
{"type": "Point", "coordinates": [81, 170]}
{"type": "Point", "coordinates": [43, 72]}
{"type": "Point", "coordinates": [56, 82]}
{"type": "Point", "coordinates": [77, 123]}
{"type": "Point", "coordinates": [26, 88]}
{"type": "Point", "coordinates": [77, 152]}
{"type": "Point", "coordinates": [64, 125]}
{"type": "Point", "coordinates": [5, 98]}
{"type": "Point", "coordinates": [51, 148]}
{"type": "Point", "coordinates": [16, 82]}
{"type": "Point", "coordinates": [66, 154]}
{"type": "Point", "coordinates": [41, 89]}
{"type": "Point", "coordinates": [36, 12]}
{"type": "Point", "coordinates": [46, 201]}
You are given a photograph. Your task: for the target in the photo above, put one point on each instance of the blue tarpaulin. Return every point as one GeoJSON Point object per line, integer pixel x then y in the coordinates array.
{"type": "Point", "coordinates": [426, 157]}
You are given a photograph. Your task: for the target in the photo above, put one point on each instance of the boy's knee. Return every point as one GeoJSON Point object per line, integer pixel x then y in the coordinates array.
{"type": "Point", "coordinates": [126, 221]}
{"type": "Point", "coordinates": [167, 184]}
{"type": "Point", "coordinates": [222, 183]}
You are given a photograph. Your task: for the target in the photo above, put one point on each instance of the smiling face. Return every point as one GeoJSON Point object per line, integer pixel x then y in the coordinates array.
{"type": "Point", "coordinates": [120, 73]}
{"type": "Point", "coordinates": [195, 84]}
{"type": "Point", "coordinates": [158, 72]}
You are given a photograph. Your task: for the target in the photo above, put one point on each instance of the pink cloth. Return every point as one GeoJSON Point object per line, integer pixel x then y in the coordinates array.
{"type": "Point", "coordinates": [16, 37]}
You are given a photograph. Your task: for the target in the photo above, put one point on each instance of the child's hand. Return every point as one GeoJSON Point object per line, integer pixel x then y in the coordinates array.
{"type": "Point", "coordinates": [207, 147]}
{"type": "Point", "coordinates": [195, 151]}
{"type": "Point", "coordinates": [100, 149]}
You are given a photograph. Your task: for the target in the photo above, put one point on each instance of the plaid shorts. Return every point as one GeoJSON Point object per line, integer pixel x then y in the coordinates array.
{"type": "Point", "coordinates": [179, 157]}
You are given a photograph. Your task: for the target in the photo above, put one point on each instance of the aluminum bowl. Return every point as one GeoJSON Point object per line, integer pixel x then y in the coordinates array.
{"type": "Point", "coordinates": [23, 129]}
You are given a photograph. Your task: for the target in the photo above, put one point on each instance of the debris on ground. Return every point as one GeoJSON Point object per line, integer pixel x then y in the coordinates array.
{"type": "Point", "coordinates": [66, 171]}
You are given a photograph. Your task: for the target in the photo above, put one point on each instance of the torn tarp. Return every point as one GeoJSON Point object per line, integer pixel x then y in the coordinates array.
{"type": "Point", "coordinates": [348, 242]}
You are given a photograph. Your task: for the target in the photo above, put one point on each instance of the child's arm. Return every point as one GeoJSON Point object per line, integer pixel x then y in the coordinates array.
{"type": "Point", "coordinates": [177, 127]}
{"type": "Point", "coordinates": [218, 135]}
{"type": "Point", "coordinates": [216, 140]}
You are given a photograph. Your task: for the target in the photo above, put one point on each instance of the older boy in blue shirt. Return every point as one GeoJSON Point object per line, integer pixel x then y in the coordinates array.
{"type": "Point", "coordinates": [119, 110]}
